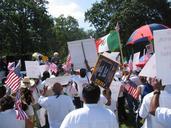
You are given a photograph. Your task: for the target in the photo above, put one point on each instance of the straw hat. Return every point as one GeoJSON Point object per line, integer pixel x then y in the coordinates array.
{"type": "Point", "coordinates": [27, 82]}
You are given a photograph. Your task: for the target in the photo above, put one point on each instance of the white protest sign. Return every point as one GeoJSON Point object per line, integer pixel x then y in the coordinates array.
{"type": "Point", "coordinates": [136, 60]}
{"type": "Point", "coordinates": [32, 69]}
{"type": "Point", "coordinates": [162, 43]}
{"type": "Point", "coordinates": [112, 55]}
{"type": "Point", "coordinates": [42, 68]}
{"type": "Point", "coordinates": [63, 80]}
{"type": "Point", "coordinates": [149, 69]}
{"type": "Point", "coordinates": [81, 50]}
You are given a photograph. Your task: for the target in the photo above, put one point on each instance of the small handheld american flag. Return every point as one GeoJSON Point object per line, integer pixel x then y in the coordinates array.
{"type": "Point", "coordinates": [131, 89]}
{"type": "Point", "coordinates": [20, 114]}
{"type": "Point", "coordinates": [13, 78]}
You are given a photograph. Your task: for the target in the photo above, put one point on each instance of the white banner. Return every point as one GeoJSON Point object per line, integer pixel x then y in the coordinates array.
{"type": "Point", "coordinates": [32, 69]}
{"type": "Point", "coordinates": [162, 43]}
{"type": "Point", "coordinates": [81, 50]}
{"type": "Point", "coordinates": [149, 69]}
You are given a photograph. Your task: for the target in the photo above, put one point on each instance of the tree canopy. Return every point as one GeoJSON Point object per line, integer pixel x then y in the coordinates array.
{"type": "Point", "coordinates": [130, 14]}
{"type": "Point", "coordinates": [25, 26]}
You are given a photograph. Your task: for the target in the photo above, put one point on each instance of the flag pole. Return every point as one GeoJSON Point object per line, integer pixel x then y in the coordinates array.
{"type": "Point", "coordinates": [120, 46]}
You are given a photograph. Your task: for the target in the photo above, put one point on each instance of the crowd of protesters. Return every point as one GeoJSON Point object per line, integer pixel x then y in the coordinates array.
{"type": "Point", "coordinates": [142, 101]}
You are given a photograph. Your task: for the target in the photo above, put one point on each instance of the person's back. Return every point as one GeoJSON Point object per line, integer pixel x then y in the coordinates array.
{"type": "Point", "coordinates": [8, 120]}
{"type": "Point", "coordinates": [8, 114]}
{"type": "Point", "coordinates": [92, 115]}
{"type": "Point", "coordinates": [150, 121]}
{"type": "Point", "coordinates": [57, 106]}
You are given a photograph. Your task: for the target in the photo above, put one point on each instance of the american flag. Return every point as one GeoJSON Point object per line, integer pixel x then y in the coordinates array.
{"type": "Point", "coordinates": [67, 64]}
{"type": "Point", "coordinates": [131, 89]}
{"type": "Point", "coordinates": [53, 68]}
{"type": "Point", "coordinates": [13, 78]}
{"type": "Point", "coordinates": [20, 114]}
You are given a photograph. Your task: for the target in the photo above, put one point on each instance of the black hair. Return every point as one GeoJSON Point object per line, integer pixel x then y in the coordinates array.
{"type": "Point", "coordinates": [46, 75]}
{"type": "Point", "coordinates": [26, 98]}
{"type": "Point", "coordinates": [83, 72]}
{"type": "Point", "coordinates": [91, 93]}
{"type": "Point", "coordinates": [6, 103]}
{"type": "Point", "coordinates": [2, 91]}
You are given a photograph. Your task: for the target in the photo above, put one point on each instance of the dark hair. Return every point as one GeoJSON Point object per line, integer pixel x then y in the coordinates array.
{"type": "Point", "coordinates": [6, 103]}
{"type": "Point", "coordinates": [26, 98]}
{"type": "Point", "coordinates": [83, 72]}
{"type": "Point", "coordinates": [91, 93]}
{"type": "Point", "coordinates": [46, 75]}
{"type": "Point", "coordinates": [2, 91]}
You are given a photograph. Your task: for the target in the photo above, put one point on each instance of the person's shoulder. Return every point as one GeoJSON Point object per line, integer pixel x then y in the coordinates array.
{"type": "Point", "coordinates": [65, 96]}
{"type": "Point", "coordinates": [77, 112]}
{"type": "Point", "coordinates": [50, 97]}
{"type": "Point", "coordinates": [148, 97]}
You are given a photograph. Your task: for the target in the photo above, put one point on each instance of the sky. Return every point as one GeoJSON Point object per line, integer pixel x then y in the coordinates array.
{"type": "Point", "coordinates": [74, 8]}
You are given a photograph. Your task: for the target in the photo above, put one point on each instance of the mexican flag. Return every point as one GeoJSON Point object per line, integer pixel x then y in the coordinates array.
{"type": "Point", "coordinates": [110, 42]}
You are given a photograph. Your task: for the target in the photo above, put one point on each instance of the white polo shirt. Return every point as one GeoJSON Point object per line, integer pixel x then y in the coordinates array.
{"type": "Point", "coordinates": [8, 120]}
{"type": "Point", "coordinates": [57, 108]}
{"type": "Point", "coordinates": [90, 116]}
{"type": "Point", "coordinates": [163, 115]}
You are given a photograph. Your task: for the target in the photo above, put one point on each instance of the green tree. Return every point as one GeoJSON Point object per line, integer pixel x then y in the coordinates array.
{"type": "Point", "coordinates": [25, 27]}
{"type": "Point", "coordinates": [130, 14]}
{"type": "Point", "coordinates": [67, 29]}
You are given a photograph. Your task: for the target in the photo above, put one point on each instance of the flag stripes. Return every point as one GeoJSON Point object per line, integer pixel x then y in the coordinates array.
{"type": "Point", "coordinates": [131, 90]}
{"type": "Point", "coordinates": [20, 114]}
{"type": "Point", "coordinates": [13, 81]}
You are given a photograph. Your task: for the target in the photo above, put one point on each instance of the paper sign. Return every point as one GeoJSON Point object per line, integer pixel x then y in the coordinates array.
{"type": "Point", "coordinates": [81, 50]}
{"type": "Point", "coordinates": [104, 71]}
{"type": "Point", "coordinates": [162, 43]}
{"type": "Point", "coordinates": [63, 80]}
{"type": "Point", "coordinates": [112, 55]}
{"type": "Point", "coordinates": [32, 69]}
{"type": "Point", "coordinates": [42, 68]}
{"type": "Point", "coordinates": [136, 60]}
{"type": "Point", "coordinates": [149, 69]}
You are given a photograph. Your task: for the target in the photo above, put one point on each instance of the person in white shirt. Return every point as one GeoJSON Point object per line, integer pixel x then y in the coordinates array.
{"type": "Point", "coordinates": [80, 81]}
{"type": "Point", "coordinates": [162, 114]}
{"type": "Point", "coordinates": [92, 115]}
{"type": "Point", "coordinates": [150, 120]}
{"type": "Point", "coordinates": [8, 114]}
{"type": "Point", "coordinates": [57, 106]}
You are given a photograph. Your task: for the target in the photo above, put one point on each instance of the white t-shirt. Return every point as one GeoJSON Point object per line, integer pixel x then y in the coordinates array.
{"type": "Point", "coordinates": [151, 121]}
{"type": "Point", "coordinates": [57, 108]}
{"type": "Point", "coordinates": [163, 116]}
{"type": "Point", "coordinates": [90, 116]}
{"type": "Point", "coordinates": [8, 120]}
{"type": "Point", "coordinates": [80, 81]}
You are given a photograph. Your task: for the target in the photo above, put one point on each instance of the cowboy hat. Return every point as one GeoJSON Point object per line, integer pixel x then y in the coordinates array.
{"type": "Point", "coordinates": [26, 82]}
